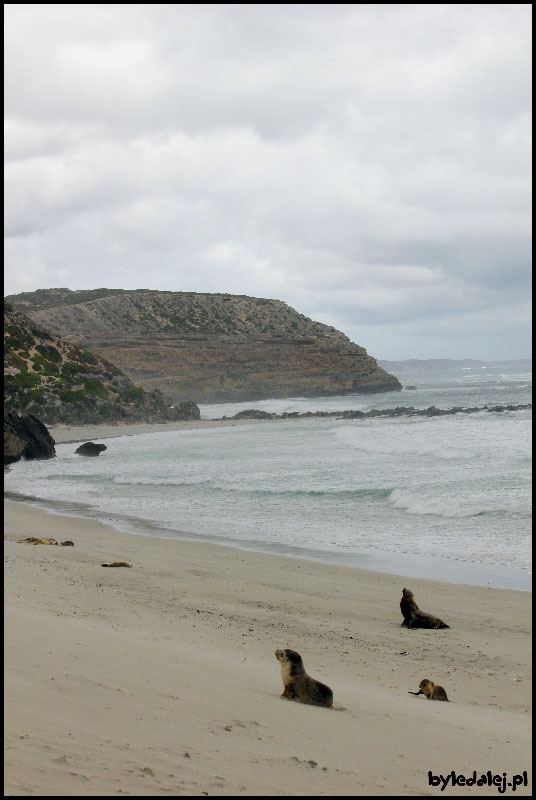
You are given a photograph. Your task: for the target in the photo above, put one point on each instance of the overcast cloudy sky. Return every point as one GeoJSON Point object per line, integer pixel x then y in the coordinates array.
{"type": "Point", "coordinates": [367, 164]}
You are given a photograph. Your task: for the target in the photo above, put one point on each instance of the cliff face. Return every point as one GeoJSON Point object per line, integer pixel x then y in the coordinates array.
{"type": "Point", "coordinates": [26, 436]}
{"type": "Point", "coordinates": [58, 381]}
{"type": "Point", "coordinates": [209, 347]}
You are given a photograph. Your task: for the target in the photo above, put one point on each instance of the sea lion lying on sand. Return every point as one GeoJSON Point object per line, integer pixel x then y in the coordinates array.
{"type": "Point", "coordinates": [298, 685]}
{"type": "Point", "coordinates": [414, 617]}
{"type": "Point", "coordinates": [37, 540]}
{"type": "Point", "coordinates": [117, 564]}
{"type": "Point", "coordinates": [431, 691]}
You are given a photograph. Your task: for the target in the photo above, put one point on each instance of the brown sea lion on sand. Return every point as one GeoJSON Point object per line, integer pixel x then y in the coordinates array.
{"type": "Point", "coordinates": [37, 540]}
{"type": "Point", "coordinates": [414, 617]}
{"type": "Point", "coordinates": [407, 604]}
{"type": "Point", "coordinates": [117, 564]}
{"type": "Point", "coordinates": [431, 691]}
{"type": "Point", "coordinates": [298, 685]}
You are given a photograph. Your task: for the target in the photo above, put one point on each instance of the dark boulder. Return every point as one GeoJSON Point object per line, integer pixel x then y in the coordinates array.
{"type": "Point", "coordinates": [25, 436]}
{"type": "Point", "coordinates": [431, 411]}
{"type": "Point", "coordinates": [90, 449]}
{"type": "Point", "coordinates": [255, 413]}
{"type": "Point", "coordinates": [13, 446]}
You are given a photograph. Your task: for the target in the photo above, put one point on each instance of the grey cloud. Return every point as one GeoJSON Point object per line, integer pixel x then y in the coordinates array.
{"type": "Point", "coordinates": [367, 164]}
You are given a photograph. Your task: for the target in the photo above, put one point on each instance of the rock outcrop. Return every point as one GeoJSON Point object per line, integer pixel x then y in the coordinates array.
{"type": "Point", "coordinates": [399, 411]}
{"type": "Point", "coordinates": [61, 382]}
{"type": "Point", "coordinates": [26, 437]}
{"type": "Point", "coordinates": [184, 412]}
{"type": "Point", "coordinates": [209, 347]}
{"type": "Point", "coordinates": [90, 449]}
{"type": "Point", "coordinates": [431, 411]}
{"type": "Point", "coordinates": [254, 413]}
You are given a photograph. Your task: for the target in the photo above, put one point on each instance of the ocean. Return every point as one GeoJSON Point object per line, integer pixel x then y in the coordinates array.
{"type": "Point", "coordinates": [446, 498]}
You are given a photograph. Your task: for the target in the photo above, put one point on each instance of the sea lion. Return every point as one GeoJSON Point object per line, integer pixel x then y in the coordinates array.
{"type": "Point", "coordinates": [37, 540]}
{"type": "Point", "coordinates": [414, 617]}
{"type": "Point", "coordinates": [407, 604]}
{"type": "Point", "coordinates": [117, 564]}
{"type": "Point", "coordinates": [431, 691]}
{"type": "Point", "coordinates": [298, 685]}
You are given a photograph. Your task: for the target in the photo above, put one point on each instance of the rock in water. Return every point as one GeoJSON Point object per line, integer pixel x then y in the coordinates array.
{"type": "Point", "coordinates": [90, 449]}
{"type": "Point", "coordinates": [253, 413]}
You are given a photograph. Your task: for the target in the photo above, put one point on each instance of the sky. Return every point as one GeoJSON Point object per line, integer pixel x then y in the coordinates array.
{"type": "Point", "coordinates": [368, 164]}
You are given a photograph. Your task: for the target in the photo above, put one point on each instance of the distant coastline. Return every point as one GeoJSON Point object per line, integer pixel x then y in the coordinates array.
{"type": "Point", "coordinates": [449, 363]}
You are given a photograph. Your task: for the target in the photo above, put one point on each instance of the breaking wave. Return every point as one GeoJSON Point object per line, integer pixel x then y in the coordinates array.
{"type": "Point", "coordinates": [452, 508]}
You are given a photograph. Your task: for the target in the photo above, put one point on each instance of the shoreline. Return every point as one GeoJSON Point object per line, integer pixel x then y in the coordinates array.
{"type": "Point", "coordinates": [453, 572]}
{"type": "Point", "coordinates": [63, 433]}
{"type": "Point", "coordinates": [162, 678]}
{"type": "Point", "coordinates": [71, 434]}
{"type": "Point", "coordinates": [450, 571]}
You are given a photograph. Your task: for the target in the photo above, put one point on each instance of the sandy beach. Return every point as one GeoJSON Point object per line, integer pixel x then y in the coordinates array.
{"type": "Point", "coordinates": [64, 434]}
{"type": "Point", "coordinates": [162, 678]}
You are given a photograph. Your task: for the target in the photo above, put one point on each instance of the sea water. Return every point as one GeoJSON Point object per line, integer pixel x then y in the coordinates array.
{"type": "Point", "coordinates": [447, 498]}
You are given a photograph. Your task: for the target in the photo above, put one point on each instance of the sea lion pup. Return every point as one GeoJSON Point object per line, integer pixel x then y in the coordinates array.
{"type": "Point", "coordinates": [68, 543]}
{"type": "Point", "coordinates": [37, 540]}
{"type": "Point", "coordinates": [431, 691]}
{"type": "Point", "coordinates": [117, 564]}
{"type": "Point", "coordinates": [298, 685]}
{"type": "Point", "coordinates": [414, 617]}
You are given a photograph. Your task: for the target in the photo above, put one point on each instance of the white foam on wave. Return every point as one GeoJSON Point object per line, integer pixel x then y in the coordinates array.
{"type": "Point", "coordinates": [436, 506]}
{"type": "Point", "coordinates": [390, 441]}
{"type": "Point", "coordinates": [158, 482]}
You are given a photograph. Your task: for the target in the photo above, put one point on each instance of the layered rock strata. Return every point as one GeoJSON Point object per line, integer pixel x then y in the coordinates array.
{"type": "Point", "coordinates": [209, 347]}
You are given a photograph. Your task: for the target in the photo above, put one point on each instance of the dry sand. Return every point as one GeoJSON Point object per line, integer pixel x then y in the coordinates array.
{"type": "Point", "coordinates": [162, 679]}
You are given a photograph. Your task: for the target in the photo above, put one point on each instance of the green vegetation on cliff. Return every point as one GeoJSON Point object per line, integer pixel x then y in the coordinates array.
{"type": "Point", "coordinates": [148, 311]}
{"type": "Point", "coordinates": [58, 381]}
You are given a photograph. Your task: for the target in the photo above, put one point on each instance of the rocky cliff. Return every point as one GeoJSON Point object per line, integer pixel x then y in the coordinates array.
{"type": "Point", "coordinates": [58, 381]}
{"type": "Point", "coordinates": [26, 437]}
{"type": "Point", "coordinates": [209, 347]}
